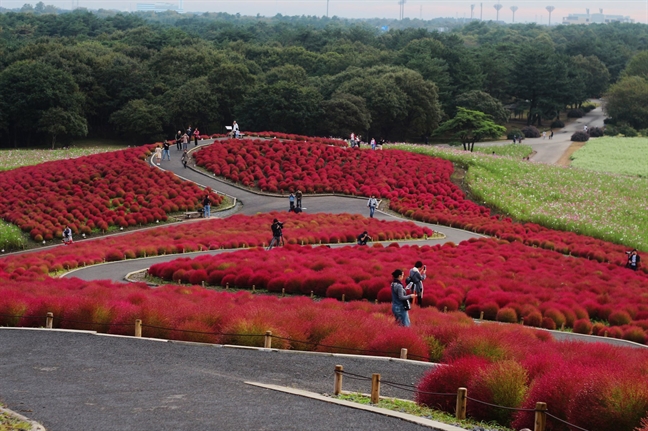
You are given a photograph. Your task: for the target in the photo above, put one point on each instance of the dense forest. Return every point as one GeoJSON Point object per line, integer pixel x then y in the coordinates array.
{"type": "Point", "coordinates": [143, 77]}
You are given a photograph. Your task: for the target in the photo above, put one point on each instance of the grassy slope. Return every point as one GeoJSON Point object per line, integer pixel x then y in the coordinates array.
{"type": "Point", "coordinates": [606, 206]}
{"type": "Point", "coordinates": [626, 156]}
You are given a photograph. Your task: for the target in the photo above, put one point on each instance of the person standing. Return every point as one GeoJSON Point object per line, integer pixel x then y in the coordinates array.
{"type": "Point", "coordinates": [185, 158]}
{"type": "Point", "coordinates": [158, 155]}
{"type": "Point", "coordinates": [633, 260]}
{"type": "Point", "coordinates": [67, 236]}
{"type": "Point", "coordinates": [372, 204]}
{"type": "Point", "coordinates": [189, 132]}
{"type": "Point", "coordinates": [196, 135]}
{"type": "Point", "coordinates": [551, 135]}
{"type": "Point", "coordinates": [298, 197]}
{"type": "Point", "coordinates": [544, 135]}
{"type": "Point", "coordinates": [416, 277]}
{"type": "Point", "coordinates": [373, 143]}
{"type": "Point", "coordinates": [400, 299]}
{"type": "Point", "coordinates": [235, 130]}
{"type": "Point", "coordinates": [207, 207]}
{"type": "Point", "coordinates": [178, 140]}
{"type": "Point", "coordinates": [277, 234]}
{"type": "Point", "coordinates": [291, 200]}
{"type": "Point", "coordinates": [185, 142]}
{"type": "Point", "coordinates": [165, 150]}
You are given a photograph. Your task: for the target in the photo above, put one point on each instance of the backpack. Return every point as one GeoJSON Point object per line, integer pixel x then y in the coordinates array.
{"type": "Point", "coordinates": [408, 280]}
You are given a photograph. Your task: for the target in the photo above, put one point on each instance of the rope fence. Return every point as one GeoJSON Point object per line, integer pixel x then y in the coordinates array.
{"type": "Point", "coordinates": [138, 325]}
{"type": "Point", "coordinates": [540, 410]}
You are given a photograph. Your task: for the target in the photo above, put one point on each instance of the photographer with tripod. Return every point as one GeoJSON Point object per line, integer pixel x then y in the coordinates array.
{"type": "Point", "coordinates": [277, 234]}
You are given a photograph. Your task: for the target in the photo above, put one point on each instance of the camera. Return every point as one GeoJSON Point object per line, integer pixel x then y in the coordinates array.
{"type": "Point", "coordinates": [280, 224]}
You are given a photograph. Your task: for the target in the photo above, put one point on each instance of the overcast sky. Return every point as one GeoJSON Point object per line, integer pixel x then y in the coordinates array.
{"type": "Point", "coordinates": [528, 10]}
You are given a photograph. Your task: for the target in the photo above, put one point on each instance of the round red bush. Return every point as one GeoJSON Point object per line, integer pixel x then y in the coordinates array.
{"type": "Point", "coordinates": [507, 315]}
{"type": "Point", "coordinates": [583, 326]}
{"type": "Point", "coordinates": [619, 318]}
{"type": "Point", "coordinates": [351, 292]}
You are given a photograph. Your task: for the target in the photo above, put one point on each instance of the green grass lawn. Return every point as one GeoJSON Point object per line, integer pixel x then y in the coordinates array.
{"type": "Point", "coordinates": [617, 155]}
{"type": "Point", "coordinates": [12, 159]}
{"type": "Point", "coordinates": [11, 237]}
{"type": "Point", "coordinates": [605, 206]}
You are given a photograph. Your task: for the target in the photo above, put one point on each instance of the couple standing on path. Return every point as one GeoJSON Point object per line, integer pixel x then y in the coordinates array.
{"type": "Point", "coordinates": [400, 298]}
{"type": "Point", "coordinates": [295, 201]}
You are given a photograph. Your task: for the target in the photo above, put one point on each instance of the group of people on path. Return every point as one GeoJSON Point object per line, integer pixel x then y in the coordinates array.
{"type": "Point", "coordinates": [182, 140]}
{"type": "Point", "coordinates": [295, 202]}
{"type": "Point", "coordinates": [355, 141]}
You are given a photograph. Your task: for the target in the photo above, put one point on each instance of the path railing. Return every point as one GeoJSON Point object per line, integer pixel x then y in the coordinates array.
{"type": "Point", "coordinates": [540, 410]}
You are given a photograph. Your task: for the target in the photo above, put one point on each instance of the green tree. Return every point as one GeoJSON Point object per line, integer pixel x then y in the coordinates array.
{"type": "Point", "coordinates": [230, 83]}
{"type": "Point", "coordinates": [57, 121]}
{"type": "Point", "coordinates": [637, 66]}
{"type": "Point", "coordinates": [344, 114]}
{"type": "Point", "coordinates": [192, 104]}
{"type": "Point", "coordinates": [282, 107]}
{"type": "Point", "coordinates": [480, 101]}
{"type": "Point", "coordinates": [469, 127]}
{"type": "Point", "coordinates": [594, 74]}
{"type": "Point", "coordinates": [626, 102]}
{"type": "Point", "coordinates": [139, 121]}
{"type": "Point", "coordinates": [27, 90]}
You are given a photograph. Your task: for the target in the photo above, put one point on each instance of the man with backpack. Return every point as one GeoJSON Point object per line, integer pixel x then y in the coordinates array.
{"type": "Point", "coordinates": [372, 204]}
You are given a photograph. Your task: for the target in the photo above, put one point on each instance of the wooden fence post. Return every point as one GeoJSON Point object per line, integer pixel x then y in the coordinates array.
{"type": "Point", "coordinates": [403, 353]}
{"type": "Point", "coordinates": [283, 292]}
{"type": "Point", "coordinates": [343, 297]}
{"type": "Point", "coordinates": [481, 315]}
{"type": "Point", "coordinates": [253, 288]}
{"type": "Point", "coordinates": [49, 320]}
{"type": "Point", "coordinates": [337, 382]}
{"type": "Point", "coordinates": [267, 341]}
{"type": "Point", "coordinates": [462, 398]}
{"type": "Point", "coordinates": [138, 327]}
{"type": "Point", "coordinates": [540, 417]}
{"type": "Point", "coordinates": [375, 388]}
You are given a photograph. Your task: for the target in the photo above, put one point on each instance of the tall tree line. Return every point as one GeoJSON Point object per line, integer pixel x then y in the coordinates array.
{"type": "Point", "coordinates": [143, 77]}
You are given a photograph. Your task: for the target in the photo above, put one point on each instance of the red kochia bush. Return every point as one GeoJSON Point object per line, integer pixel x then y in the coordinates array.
{"type": "Point", "coordinates": [609, 400]}
{"type": "Point", "coordinates": [446, 380]}
{"type": "Point", "coordinates": [94, 193]}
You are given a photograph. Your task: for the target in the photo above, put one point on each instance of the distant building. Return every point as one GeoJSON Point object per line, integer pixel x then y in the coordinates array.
{"type": "Point", "coordinates": [594, 18]}
{"type": "Point", "coordinates": [160, 7]}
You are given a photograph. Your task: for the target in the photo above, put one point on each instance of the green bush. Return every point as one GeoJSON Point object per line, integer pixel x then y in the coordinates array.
{"type": "Point", "coordinates": [627, 130]}
{"type": "Point", "coordinates": [557, 124]}
{"type": "Point", "coordinates": [575, 113]}
{"type": "Point", "coordinates": [611, 130]}
{"type": "Point", "coordinates": [514, 132]}
{"type": "Point", "coordinates": [595, 132]}
{"type": "Point", "coordinates": [11, 238]}
{"type": "Point", "coordinates": [531, 132]}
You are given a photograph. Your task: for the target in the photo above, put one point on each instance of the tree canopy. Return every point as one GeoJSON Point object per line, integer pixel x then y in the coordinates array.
{"type": "Point", "coordinates": [470, 126]}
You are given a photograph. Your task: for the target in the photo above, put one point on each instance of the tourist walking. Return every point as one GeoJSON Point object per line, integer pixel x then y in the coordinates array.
{"type": "Point", "coordinates": [235, 130]}
{"type": "Point", "coordinates": [185, 158]}
{"type": "Point", "coordinates": [400, 299]}
{"type": "Point", "coordinates": [165, 150]}
{"type": "Point", "coordinates": [185, 142]}
{"type": "Point", "coordinates": [372, 204]}
{"type": "Point", "coordinates": [291, 200]}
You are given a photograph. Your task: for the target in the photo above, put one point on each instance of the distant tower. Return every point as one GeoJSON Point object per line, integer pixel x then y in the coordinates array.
{"type": "Point", "coordinates": [472, 9]}
{"type": "Point", "coordinates": [402, 9]}
{"type": "Point", "coordinates": [514, 9]}
{"type": "Point", "coordinates": [601, 10]}
{"type": "Point", "coordinates": [497, 8]}
{"type": "Point", "coordinates": [481, 11]}
{"type": "Point", "coordinates": [550, 9]}
{"type": "Point", "coordinates": [327, 3]}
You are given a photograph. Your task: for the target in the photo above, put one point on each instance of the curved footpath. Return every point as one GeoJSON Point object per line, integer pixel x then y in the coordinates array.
{"type": "Point", "coordinates": [75, 380]}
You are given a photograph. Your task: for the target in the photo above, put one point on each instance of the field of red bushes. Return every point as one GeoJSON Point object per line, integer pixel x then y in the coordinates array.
{"type": "Point", "coordinates": [417, 186]}
{"type": "Point", "coordinates": [507, 282]}
{"type": "Point", "coordinates": [595, 386]}
{"type": "Point", "coordinates": [93, 193]}
{"type": "Point", "coordinates": [238, 231]}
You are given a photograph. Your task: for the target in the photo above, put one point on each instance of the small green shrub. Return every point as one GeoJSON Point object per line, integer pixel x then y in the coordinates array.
{"type": "Point", "coordinates": [557, 124]}
{"type": "Point", "coordinates": [611, 130]}
{"type": "Point", "coordinates": [627, 130]}
{"type": "Point", "coordinates": [514, 132]}
{"type": "Point", "coordinates": [575, 113]}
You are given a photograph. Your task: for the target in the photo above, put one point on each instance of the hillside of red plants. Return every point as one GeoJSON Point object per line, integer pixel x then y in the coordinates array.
{"type": "Point", "coordinates": [234, 232]}
{"type": "Point", "coordinates": [93, 193]}
{"type": "Point", "coordinates": [595, 386]}
{"type": "Point", "coordinates": [507, 282]}
{"type": "Point", "coordinates": [417, 186]}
